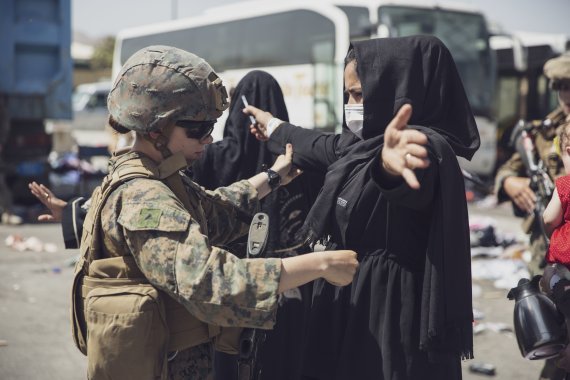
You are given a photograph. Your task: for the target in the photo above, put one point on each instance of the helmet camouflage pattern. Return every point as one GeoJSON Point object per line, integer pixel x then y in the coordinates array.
{"type": "Point", "coordinates": [558, 68]}
{"type": "Point", "coordinates": [162, 84]}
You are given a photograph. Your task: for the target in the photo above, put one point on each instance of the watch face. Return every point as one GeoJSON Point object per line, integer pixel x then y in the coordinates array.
{"type": "Point", "coordinates": [273, 178]}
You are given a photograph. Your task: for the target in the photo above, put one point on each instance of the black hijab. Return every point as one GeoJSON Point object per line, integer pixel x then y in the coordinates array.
{"type": "Point", "coordinates": [420, 71]}
{"type": "Point", "coordinates": [239, 155]}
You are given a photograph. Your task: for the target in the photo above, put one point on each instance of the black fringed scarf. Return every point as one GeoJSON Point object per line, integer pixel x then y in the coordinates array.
{"type": "Point", "coordinates": [419, 71]}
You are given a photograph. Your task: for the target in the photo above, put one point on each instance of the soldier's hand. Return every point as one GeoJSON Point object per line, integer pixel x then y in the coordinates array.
{"type": "Point", "coordinates": [340, 266]}
{"type": "Point", "coordinates": [518, 189]}
{"type": "Point", "coordinates": [284, 166]}
{"type": "Point", "coordinates": [259, 129]}
{"type": "Point", "coordinates": [53, 203]}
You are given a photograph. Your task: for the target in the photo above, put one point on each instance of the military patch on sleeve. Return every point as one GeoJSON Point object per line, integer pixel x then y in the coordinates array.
{"type": "Point", "coordinates": [149, 218]}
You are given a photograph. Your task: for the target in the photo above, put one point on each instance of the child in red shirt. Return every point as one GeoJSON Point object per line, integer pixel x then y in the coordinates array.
{"type": "Point", "coordinates": [557, 214]}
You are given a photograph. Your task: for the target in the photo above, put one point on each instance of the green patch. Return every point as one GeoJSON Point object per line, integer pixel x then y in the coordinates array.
{"type": "Point", "coordinates": [149, 218]}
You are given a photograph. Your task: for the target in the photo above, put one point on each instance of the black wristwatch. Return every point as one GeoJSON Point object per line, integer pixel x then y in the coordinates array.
{"type": "Point", "coordinates": [273, 178]}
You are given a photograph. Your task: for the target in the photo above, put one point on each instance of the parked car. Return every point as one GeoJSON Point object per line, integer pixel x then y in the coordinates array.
{"type": "Point", "coordinates": [90, 109]}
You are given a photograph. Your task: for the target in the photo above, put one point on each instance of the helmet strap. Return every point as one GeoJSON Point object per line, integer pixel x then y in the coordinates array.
{"type": "Point", "coordinates": [161, 141]}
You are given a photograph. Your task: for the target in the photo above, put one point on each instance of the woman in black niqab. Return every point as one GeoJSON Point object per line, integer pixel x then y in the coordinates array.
{"type": "Point", "coordinates": [407, 315]}
{"type": "Point", "coordinates": [239, 155]}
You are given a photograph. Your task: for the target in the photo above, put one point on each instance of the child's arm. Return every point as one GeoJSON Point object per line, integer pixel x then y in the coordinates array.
{"type": "Point", "coordinates": [552, 215]}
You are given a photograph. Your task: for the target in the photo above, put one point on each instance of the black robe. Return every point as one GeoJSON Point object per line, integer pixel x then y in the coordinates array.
{"type": "Point", "coordinates": [407, 315]}
{"type": "Point", "coordinates": [240, 156]}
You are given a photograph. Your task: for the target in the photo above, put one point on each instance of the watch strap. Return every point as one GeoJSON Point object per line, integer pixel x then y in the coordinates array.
{"type": "Point", "coordinates": [273, 178]}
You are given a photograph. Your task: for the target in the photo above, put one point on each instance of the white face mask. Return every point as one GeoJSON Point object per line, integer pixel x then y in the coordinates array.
{"type": "Point", "coordinates": [354, 116]}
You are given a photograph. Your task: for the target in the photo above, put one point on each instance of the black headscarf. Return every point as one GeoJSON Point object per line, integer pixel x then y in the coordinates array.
{"type": "Point", "coordinates": [239, 155]}
{"type": "Point", "coordinates": [420, 71]}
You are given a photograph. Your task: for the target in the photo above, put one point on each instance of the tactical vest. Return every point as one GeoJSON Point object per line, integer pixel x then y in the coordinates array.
{"type": "Point", "coordinates": [124, 324]}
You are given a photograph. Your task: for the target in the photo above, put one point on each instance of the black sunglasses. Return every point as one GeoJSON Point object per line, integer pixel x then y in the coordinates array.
{"type": "Point", "coordinates": [198, 130]}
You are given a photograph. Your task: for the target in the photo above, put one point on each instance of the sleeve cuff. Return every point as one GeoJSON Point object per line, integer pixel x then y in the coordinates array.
{"type": "Point", "coordinates": [272, 125]}
{"type": "Point", "coordinates": [72, 222]}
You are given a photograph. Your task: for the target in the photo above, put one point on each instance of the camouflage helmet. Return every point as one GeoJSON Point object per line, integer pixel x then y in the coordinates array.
{"type": "Point", "coordinates": [558, 68]}
{"type": "Point", "coordinates": [161, 84]}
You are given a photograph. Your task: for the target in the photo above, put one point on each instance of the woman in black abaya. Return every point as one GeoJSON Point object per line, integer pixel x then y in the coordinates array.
{"type": "Point", "coordinates": [240, 155]}
{"type": "Point", "coordinates": [394, 193]}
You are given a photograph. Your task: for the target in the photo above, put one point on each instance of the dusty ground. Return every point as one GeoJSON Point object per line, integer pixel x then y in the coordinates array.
{"type": "Point", "coordinates": [35, 339]}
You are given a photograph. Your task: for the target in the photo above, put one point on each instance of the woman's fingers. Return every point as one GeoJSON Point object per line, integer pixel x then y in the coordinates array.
{"type": "Point", "coordinates": [262, 117]}
{"type": "Point", "coordinates": [414, 162]}
{"type": "Point", "coordinates": [258, 135]}
{"type": "Point", "coordinates": [46, 190]}
{"type": "Point", "coordinates": [400, 121]}
{"type": "Point", "coordinates": [42, 193]}
{"type": "Point", "coordinates": [412, 136]}
{"type": "Point", "coordinates": [289, 152]}
{"type": "Point", "coordinates": [45, 218]}
{"type": "Point", "coordinates": [416, 150]}
{"type": "Point", "coordinates": [253, 111]}
{"type": "Point", "coordinates": [410, 178]}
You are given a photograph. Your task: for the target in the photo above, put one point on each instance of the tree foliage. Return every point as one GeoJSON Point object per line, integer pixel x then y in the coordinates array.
{"type": "Point", "coordinates": [103, 54]}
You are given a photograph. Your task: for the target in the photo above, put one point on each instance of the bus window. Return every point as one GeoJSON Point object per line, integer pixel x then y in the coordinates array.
{"type": "Point", "coordinates": [286, 38]}
{"type": "Point", "coordinates": [359, 23]}
{"type": "Point", "coordinates": [296, 46]}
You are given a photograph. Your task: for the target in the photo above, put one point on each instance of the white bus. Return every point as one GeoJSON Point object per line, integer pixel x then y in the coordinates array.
{"type": "Point", "coordinates": [303, 46]}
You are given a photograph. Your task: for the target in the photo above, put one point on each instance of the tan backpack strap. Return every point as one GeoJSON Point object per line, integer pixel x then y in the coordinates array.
{"type": "Point", "coordinates": [90, 246]}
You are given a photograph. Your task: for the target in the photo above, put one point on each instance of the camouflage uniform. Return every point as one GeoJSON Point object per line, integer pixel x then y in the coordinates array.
{"type": "Point", "coordinates": [173, 233]}
{"type": "Point", "coordinates": [514, 167]}
{"type": "Point", "coordinates": [175, 251]}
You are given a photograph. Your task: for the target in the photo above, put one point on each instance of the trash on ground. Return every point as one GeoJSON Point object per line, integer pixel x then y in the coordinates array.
{"type": "Point", "coordinates": [483, 233]}
{"type": "Point", "coordinates": [497, 327]}
{"type": "Point", "coordinates": [21, 244]}
{"type": "Point", "coordinates": [486, 251]}
{"type": "Point", "coordinates": [516, 251]}
{"type": "Point", "coordinates": [476, 291]}
{"type": "Point", "coordinates": [72, 261]}
{"type": "Point", "coordinates": [506, 272]}
{"type": "Point", "coordinates": [483, 369]}
{"type": "Point", "coordinates": [478, 315]}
